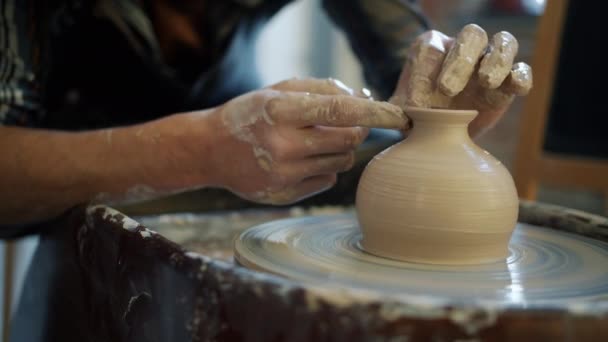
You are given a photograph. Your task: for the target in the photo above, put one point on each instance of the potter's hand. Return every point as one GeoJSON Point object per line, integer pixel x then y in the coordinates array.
{"type": "Point", "coordinates": [464, 73]}
{"type": "Point", "coordinates": [288, 141]}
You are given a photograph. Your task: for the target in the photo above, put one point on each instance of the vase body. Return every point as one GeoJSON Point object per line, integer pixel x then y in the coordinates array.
{"type": "Point", "coordinates": [436, 197]}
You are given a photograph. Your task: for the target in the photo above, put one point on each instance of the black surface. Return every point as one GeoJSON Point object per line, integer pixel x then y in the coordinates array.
{"type": "Point", "coordinates": [578, 119]}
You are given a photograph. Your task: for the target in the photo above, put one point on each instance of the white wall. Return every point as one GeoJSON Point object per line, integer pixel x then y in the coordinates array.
{"type": "Point", "coordinates": [23, 251]}
{"type": "Point", "coordinates": [281, 52]}
{"type": "Point", "coordinates": [289, 46]}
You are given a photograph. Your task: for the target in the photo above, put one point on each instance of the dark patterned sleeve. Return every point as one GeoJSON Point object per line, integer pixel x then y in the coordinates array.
{"type": "Point", "coordinates": [19, 96]}
{"type": "Point", "coordinates": [380, 33]}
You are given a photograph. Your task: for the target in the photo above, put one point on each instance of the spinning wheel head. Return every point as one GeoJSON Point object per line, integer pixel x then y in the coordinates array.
{"type": "Point", "coordinates": [543, 267]}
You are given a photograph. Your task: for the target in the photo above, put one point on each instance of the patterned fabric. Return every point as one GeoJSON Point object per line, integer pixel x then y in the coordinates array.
{"type": "Point", "coordinates": [19, 91]}
{"type": "Point", "coordinates": [84, 64]}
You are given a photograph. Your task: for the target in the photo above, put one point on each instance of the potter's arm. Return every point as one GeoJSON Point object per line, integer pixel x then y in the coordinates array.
{"type": "Point", "coordinates": [380, 33]}
{"type": "Point", "coordinates": [276, 145]}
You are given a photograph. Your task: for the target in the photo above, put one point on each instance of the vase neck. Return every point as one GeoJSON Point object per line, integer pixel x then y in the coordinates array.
{"type": "Point", "coordinates": [440, 117]}
{"type": "Point", "coordinates": [444, 123]}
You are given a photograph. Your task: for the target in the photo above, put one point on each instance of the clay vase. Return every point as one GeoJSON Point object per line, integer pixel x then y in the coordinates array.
{"type": "Point", "coordinates": [436, 197]}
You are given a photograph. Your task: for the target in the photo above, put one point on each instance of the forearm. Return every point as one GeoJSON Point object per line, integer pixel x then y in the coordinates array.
{"type": "Point", "coordinates": [43, 173]}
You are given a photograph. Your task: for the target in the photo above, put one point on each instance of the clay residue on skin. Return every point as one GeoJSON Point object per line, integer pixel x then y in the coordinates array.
{"type": "Point", "coordinates": [330, 113]}
{"type": "Point", "coordinates": [460, 61]}
{"type": "Point", "coordinates": [385, 115]}
{"type": "Point", "coordinates": [239, 122]}
{"type": "Point", "coordinates": [424, 66]}
{"type": "Point", "coordinates": [263, 158]}
{"type": "Point", "coordinates": [276, 196]}
{"type": "Point", "coordinates": [136, 193]}
{"type": "Point", "coordinates": [497, 63]}
{"type": "Point", "coordinates": [241, 118]}
{"type": "Point", "coordinates": [267, 118]}
{"type": "Point", "coordinates": [520, 79]}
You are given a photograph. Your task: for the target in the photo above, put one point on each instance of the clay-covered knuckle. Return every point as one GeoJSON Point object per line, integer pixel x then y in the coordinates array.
{"type": "Point", "coordinates": [276, 107]}
{"type": "Point", "coordinates": [418, 94]}
{"type": "Point", "coordinates": [419, 90]}
{"type": "Point", "coordinates": [429, 48]}
{"type": "Point", "coordinates": [427, 58]}
{"type": "Point", "coordinates": [461, 59]}
{"type": "Point", "coordinates": [280, 151]}
{"type": "Point", "coordinates": [498, 61]}
{"type": "Point", "coordinates": [425, 68]}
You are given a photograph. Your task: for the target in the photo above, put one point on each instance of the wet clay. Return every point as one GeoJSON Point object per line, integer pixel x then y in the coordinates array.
{"type": "Point", "coordinates": [436, 197]}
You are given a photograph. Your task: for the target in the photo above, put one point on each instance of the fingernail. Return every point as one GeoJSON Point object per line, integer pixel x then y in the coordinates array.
{"type": "Point", "coordinates": [366, 93]}
{"type": "Point", "coordinates": [341, 85]}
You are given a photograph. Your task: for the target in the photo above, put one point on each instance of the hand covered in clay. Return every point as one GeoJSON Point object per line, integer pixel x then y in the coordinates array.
{"type": "Point", "coordinates": [465, 72]}
{"type": "Point", "coordinates": [289, 141]}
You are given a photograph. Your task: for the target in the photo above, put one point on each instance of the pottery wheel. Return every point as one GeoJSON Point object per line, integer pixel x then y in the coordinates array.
{"type": "Point", "coordinates": [544, 266]}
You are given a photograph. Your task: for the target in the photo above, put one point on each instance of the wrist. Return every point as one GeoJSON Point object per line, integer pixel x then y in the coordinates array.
{"type": "Point", "coordinates": [199, 147]}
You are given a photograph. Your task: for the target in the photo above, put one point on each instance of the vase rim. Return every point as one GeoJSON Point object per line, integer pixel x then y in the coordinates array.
{"type": "Point", "coordinates": [440, 114]}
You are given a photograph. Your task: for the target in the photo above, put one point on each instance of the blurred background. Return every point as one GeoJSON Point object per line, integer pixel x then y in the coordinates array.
{"type": "Point", "coordinates": [322, 51]}
{"type": "Point", "coordinates": [301, 41]}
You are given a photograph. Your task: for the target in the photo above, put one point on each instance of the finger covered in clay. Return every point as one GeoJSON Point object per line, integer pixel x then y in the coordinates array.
{"type": "Point", "coordinates": [303, 110]}
{"type": "Point", "coordinates": [498, 61]}
{"type": "Point", "coordinates": [424, 67]}
{"type": "Point", "coordinates": [519, 82]}
{"type": "Point", "coordinates": [461, 59]}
